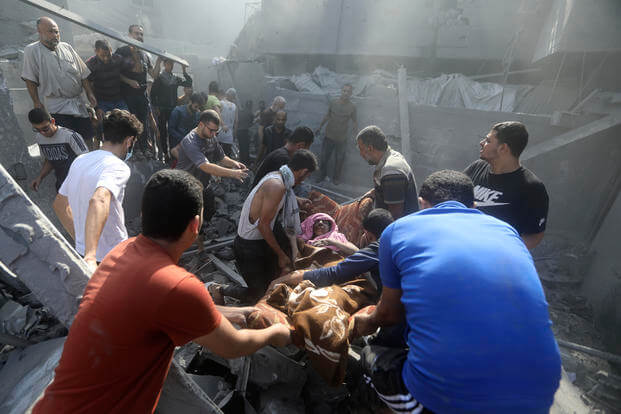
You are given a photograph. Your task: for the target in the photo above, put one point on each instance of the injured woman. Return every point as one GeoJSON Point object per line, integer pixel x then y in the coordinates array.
{"type": "Point", "coordinates": [320, 230]}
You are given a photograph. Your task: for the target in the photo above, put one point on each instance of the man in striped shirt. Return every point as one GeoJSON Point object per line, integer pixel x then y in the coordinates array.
{"type": "Point", "coordinates": [58, 145]}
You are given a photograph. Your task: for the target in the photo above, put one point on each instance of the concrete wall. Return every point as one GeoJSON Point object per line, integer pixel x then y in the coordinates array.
{"type": "Point", "coordinates": [422, 28]}
{"type": "Point", "coordinates": [602, 284]}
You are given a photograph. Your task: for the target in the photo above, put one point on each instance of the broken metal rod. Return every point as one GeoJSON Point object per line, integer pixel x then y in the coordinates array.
{"type": "Point", "coordinates": [591, 351]}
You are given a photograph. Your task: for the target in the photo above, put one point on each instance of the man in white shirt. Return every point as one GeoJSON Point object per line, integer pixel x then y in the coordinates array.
{"type": "Point", "coordinates": [53, 70]}
{"type": "Point", "coordinates": [89, 203]}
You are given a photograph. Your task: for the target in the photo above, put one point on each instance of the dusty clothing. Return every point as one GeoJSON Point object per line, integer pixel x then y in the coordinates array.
{"type": "Point", "coordinates": [518, 198]}
{"type": "Point", "coordinates": [320, 317]}
{"type": "Point", "coordinates": [340, 114]}
{"type": "Point", "coordinates": [61, 149]}
{"type": "Point", "coordinates": [106, 78]}
{"type": "Point", "coordinates": [180, 123]}
{"type": "Point", "coordinates": [212, 102]}
{"type": "Point", "coordinates": [120, 345]}
{"type": "Point", "coordinates": [59, 74]}
{"type": "Point", "coordinates": [394, 182]}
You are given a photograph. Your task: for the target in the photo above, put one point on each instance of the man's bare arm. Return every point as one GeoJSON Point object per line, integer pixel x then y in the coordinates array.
{"type": "Point", "coordinates": [228, 342]}
{"type": "Point", "coordinates": [64, 214]}
{"type": "Point", "coordinates": [46, 168]}
{"type": "Point", "coordinates": [89, 93]}
{"type": "Point", "coordinates": [96, 216]}
{"type": "Point", "coordinates": [532, 240]}
{"type": "Point", "coordinates": [33, 91]}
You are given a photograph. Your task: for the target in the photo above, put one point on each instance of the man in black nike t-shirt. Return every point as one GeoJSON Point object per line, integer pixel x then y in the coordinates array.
{"type": "Point", "coordinates": [505, 189]}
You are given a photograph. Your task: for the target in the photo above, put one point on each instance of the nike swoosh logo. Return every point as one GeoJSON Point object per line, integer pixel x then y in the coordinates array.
{"type": "Point", "coordinates": [489, 204]}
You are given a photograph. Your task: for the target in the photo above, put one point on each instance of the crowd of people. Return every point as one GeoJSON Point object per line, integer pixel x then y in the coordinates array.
{"type": "Point", "coordinates": [461, 324]}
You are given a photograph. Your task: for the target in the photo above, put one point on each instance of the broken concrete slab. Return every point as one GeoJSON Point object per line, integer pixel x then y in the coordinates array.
{"type": "Point", "coordinates": [26, 375]}
{"type": "Point", "coordinates": [36, 251]}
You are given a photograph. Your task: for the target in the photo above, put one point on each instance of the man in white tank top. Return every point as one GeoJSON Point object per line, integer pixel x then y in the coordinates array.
{"type": "Point", "coordinates": [261, 244]}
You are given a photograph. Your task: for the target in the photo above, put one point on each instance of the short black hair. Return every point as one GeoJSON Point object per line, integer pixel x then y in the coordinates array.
{"type": "Point", "coordinates": [197, 98]}
{"type": "Point", "coordinates": [512, 133]}
{"type": "Point", "coordinates": [209, 116]}
{"type": "Point", "coordinates": [376, 221]}
{"type": "Point", "coordinates": [302, 134]}
{"type": "Point", "coordinates": [38, 115]}
{"type": "Point", "coordinates": [447, 185]}
{"type": "Point", "coordinates": [131, 26]}
{"type": "Point", "coordinates": [119, 124]}
{"type": "Point", "coordinates": [102, 44]}
{"type": "Point", "coordinates": [373, 136]}
{"type": "Point", "coordinates": [302, 159]}
{"type": "Point", "coordinates": [213, 87]}
{"type": "Point", "coordinates": [171, 199]}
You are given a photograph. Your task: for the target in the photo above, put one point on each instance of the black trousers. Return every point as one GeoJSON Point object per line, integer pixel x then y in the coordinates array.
{"type": "Point", "coordinates": [139, 106]}
{"type": "Point", "coordinates": [257, 264]}
{"type": "Point", "coordinates": [78, 124]}
{"type": "Point", "coordinates": [243, 137]}
{"type": "Point", "coordinates": [162, 125]}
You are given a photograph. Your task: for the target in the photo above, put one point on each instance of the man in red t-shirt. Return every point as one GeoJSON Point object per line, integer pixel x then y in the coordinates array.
{"type": "Point", "coordinates": [138, 306]}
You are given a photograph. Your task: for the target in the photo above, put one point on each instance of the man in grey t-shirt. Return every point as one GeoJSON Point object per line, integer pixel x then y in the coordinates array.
{"type": "Point", "coordinates": [200, 154]}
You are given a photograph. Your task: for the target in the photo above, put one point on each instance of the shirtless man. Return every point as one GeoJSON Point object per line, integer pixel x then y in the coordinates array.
{"type": "Point", "coordinates": [261, 243]}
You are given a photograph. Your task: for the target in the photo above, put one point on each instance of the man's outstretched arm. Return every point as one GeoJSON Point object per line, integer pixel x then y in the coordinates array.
{"type": "Point", "coordinates": [64, 214]}
{"type": "Point", "coordinates": [228, 342]}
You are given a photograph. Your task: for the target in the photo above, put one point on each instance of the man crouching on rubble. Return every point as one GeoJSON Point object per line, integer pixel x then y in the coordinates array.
{"type": "Point", "coordinates": [138, 305]}
{"type": "Point", "coordinates": [479, 333]}
{"type": "Point", "coordinates": [261, 242]}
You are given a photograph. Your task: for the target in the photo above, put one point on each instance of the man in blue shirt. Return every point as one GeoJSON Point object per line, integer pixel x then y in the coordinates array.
{"type": "Point", "coordinates": [183, 119]}
{"type": "Point", "coordinates": [479, 334]}
{"type": "Point", "coordinates": [360, 262]}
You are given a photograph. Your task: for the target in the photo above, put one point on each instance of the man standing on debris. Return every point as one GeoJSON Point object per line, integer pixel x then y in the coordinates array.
{"type": "Point", "coordinates": [266, 118]}
{"type": "Point", "coordinates": [89, 203]}
{"type": "Point", "coordinates": [58, 145]}
{"type": "Point", "coordinates": [275, 135]}
{"type": "Point", "coordinates": [505, 189]}
{"type": "Point", "coordinates": [301, 138]}
{"type": "Point", "coordinates": [229, 116]}
{"type": "Point", "coordinates": [340, 112]}
{"type": "Point", "coordinates": [138, 306]}
{"type": "Point", "coordinates": [183, 119]}
{"type": "Point", "coordinates": [164, 100]}
{"type": "Point", "coordinates": [212, 101]}
{"type": "Point", "coordinates": [54, 70]}
{"type": "Point", "coordinates": [479, 334]}
{"type": "Point", "coordinates": [136, 68]}
{"type": "Point", "coordinates": [199, 153]}
{"type": "Point", "coordinates": [105, 80]}
{"type": "Point", "coordinates": [261, 244]}
{"type": "Point", "coordinates": [393, 179]}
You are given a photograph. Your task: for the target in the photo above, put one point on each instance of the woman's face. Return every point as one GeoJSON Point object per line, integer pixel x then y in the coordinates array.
{"type": "Point", "coordinates": [321, 227]}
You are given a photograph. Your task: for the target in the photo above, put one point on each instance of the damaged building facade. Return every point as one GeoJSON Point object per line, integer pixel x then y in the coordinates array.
{"type": "Point", "coordinates": [434, 75]}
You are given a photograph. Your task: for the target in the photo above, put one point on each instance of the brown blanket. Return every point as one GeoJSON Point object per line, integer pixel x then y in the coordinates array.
{"type": "Point", "coordinates": [320, 318]}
